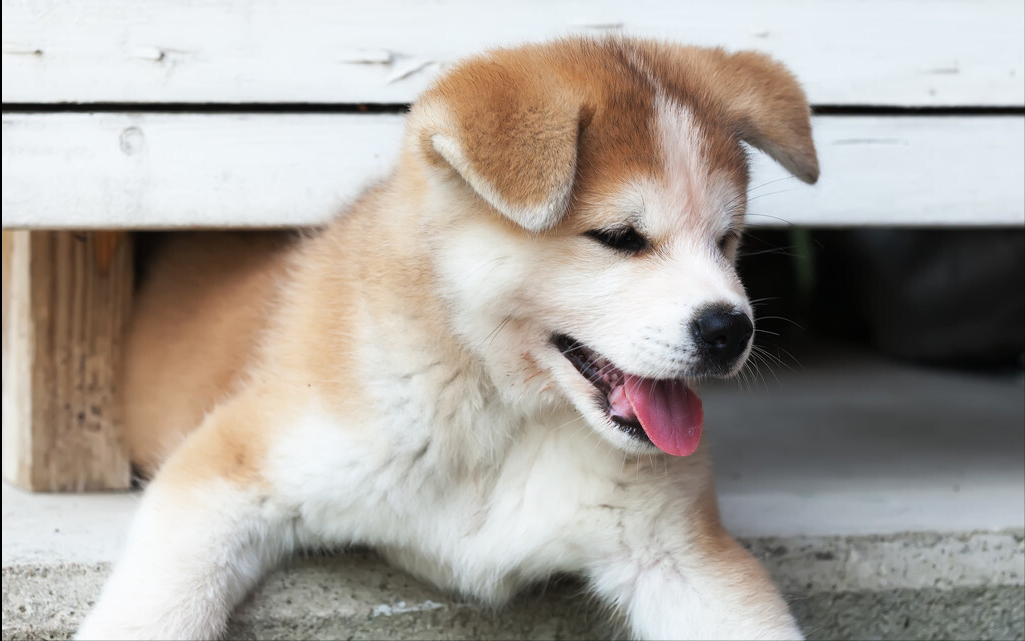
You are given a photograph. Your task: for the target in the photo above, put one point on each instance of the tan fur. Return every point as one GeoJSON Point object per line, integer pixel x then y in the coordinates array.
{"type": "Point", "coordinates": [199, 311]}
{"type": "Point", "coordinates": [526, 149]}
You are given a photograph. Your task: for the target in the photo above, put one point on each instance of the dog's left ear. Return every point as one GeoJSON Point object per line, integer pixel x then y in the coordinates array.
{"type": "Point", "coordinates": [757, 96]}
{"type": "Point", "coordinates": [512, 136]}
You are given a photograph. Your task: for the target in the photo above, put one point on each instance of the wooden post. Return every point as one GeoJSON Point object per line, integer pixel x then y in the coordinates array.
{"type": "Point", "coordinates": [66, 298]}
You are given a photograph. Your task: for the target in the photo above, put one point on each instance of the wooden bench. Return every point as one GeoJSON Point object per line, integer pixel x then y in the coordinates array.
{"type": "Point", "coordinates": [119, 115]}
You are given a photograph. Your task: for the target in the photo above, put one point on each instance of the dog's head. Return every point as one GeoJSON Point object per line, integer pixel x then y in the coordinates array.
{"type": "Point", "coordinates": [585, 200]}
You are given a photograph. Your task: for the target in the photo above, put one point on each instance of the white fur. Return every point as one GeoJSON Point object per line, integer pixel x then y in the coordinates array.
{"type": "Point", "coordinates": [557, 500]}
{"type": "Point", "coordinates": [191, 558]}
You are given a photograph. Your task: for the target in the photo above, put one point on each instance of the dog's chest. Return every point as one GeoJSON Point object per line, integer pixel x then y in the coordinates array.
{"type": "Point", "coordinates": [453, 484]}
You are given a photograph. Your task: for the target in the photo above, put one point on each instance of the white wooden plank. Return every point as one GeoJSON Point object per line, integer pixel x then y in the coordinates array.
{"type": "Point", "coordinates": [905, 170]}
{"type": "Point", "coordinates": [169, 170]}
{"type": "Point", "coordinates": [174, 170]}
{"type": "Point", "coordinates": [850, 52]}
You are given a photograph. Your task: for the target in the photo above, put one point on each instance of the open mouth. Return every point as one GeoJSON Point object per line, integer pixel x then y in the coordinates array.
{"type": "Point", "coordinates": [664, 412]}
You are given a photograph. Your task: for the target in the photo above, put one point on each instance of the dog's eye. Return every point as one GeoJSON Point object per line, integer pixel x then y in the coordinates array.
{"type": "Point", "coordinates": [624, 239]}
{"type": "Point", "coordinates": [727, 241]}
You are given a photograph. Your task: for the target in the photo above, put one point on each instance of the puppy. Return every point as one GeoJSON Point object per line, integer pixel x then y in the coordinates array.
{"type": "Point", "coordinates": [483, 368]}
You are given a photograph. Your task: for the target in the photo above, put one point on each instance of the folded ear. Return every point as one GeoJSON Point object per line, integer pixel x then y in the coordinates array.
{"type": "Point", "coordinates": [512, 136]}
{"type": "Point", "coordinates": [757, 96]}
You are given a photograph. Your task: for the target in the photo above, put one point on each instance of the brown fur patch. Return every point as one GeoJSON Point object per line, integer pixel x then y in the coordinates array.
{"type": "Point", "coordinates": [194, 329]}
{"type": "Point", "coordinates": [745, 95]}
{"type": "Point", "coordinates": [229, 445]}
{"type": "Point", "coordinates": [588, 118]}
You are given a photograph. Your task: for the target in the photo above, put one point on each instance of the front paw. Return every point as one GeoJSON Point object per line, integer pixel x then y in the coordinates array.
{"type": "Point", "coordinates": [132, 622]}
{"type": "Point", "coordinates": [95, 627]}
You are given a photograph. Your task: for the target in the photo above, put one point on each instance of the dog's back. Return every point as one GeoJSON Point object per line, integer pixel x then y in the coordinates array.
{"type": "Point", "coordinates": [200, 307]}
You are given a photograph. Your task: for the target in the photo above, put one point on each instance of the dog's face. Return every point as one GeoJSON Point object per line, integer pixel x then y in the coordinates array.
{"type": "Point", "coordinates": [588, 199]}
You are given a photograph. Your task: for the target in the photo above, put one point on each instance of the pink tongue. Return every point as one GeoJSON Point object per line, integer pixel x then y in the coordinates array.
{"type": "Point", "coordinates": [669, 411]}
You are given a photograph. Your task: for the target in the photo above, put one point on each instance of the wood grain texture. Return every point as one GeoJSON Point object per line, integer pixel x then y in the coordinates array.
{"type": "Point", "coordinates": [849, 52]}
{"type": "Point", "coordinates": [233, 170]}
{"type": "Point", "coordinates": [66, 297]}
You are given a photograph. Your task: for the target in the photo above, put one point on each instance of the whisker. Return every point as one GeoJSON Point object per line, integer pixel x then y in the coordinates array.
{"type": "Point", "coordinates": [571, 350]}
{"type": "Point", "coordinates": [771, 193]}
{"type": "Point", "coordinates": [579, 417]}
{"type": "Point", "coordinates": [791, 357]}
{"type": "Point", "coordinates": [755, 370]}
{"type": "Point", "coordinates": [747, 194]}
{"type": "Point", "coordinates": [771, 182]}
{"type": "Point", "coordinates": [783, 251]}
{"type": "Point", "coordinates": [765, 354]}
{"type": "Point", "coordinates": [783, 318]}
{"type": "Point", "coordinates": [782, 220]}
{"type": "Point", "coordinates": [490, 338]}
{"type": "Point", "coordinates": [763, 359]}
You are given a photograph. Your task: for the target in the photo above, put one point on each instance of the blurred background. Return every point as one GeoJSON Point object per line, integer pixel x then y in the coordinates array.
{"type": "Point", "coordinates": [952, 298]}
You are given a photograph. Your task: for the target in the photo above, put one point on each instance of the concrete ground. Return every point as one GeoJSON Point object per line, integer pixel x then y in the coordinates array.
{"type": "Point", "coordinates": [887, 501]}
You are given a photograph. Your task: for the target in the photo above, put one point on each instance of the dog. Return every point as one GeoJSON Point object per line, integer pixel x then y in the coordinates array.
{"type": "Point", "coordinates": [483, 368]}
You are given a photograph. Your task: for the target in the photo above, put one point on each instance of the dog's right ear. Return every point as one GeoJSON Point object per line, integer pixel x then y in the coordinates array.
{"type": "Point", "coordinates": [512, 137]}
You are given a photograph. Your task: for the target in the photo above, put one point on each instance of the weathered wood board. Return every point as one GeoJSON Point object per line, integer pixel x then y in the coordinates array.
{"type": "Point", "coordinates": [847, 52]}
{"type": "Point", "coordinates": [229, 170]}
{"type": "Point", "coordinates": [66, 297]}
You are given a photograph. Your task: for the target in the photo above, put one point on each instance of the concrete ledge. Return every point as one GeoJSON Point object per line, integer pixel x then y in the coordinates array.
{"type": "Point", "coordinates": [911, 586]}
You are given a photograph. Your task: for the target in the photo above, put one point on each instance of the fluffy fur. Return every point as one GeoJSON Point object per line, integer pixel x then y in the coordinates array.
{"type": "Point", "coordinates": [392, 379]}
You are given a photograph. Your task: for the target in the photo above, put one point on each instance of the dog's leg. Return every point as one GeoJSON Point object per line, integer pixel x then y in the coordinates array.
{"type": "Point", "coordinates": [674, 581]}
{"type": "Point", "coordinates": [202, 538]}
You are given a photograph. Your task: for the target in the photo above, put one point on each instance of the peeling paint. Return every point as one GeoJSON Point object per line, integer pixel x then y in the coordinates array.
{"type": "Point", "coordinates": [366, 56]}
{"type": "Point", "coordinates": [154, 54]}
{"type": "Point", "coordinates": [132, 141]}
{"type": "Point", "coordinates": [407, 68]}
{"type": "Point", "coordinates": [158, 54]}
{"type": "Point", "coordinates": [13, 49]}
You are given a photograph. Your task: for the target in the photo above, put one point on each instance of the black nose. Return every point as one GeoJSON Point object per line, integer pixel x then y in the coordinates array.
{"type": "Point", "coordinates": [722, 334]}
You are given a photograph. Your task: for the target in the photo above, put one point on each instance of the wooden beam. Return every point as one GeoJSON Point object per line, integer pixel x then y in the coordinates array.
{"type": "Point", "coordinates": [66, 298]}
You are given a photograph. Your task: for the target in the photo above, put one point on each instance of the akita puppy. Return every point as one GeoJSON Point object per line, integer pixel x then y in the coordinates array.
{"type": "Point", "coordinates": [483, 368]}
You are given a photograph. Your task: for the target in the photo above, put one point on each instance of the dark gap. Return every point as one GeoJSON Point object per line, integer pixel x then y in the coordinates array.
{"type": "Point", "coordinates": [940, 296]}
{"type": "Point", "coordinates": [399, 108]}
{"type": "Point", "coordinates": [207, 108]}
{"type": "Point", "coordinates": [889, 110]}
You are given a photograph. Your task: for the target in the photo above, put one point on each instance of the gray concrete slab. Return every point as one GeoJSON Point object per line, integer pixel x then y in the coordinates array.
{"type": "Point", "coordinates": [846, 443]}
{"type": "Point", "coordinates": [907, 586]}
{"type": "Point", "coordinates": [40, 529]}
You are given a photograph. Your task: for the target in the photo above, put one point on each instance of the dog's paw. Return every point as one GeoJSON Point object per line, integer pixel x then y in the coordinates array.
{"type": "Point", "coordinates": [94, 630]}
{"type": "Point", "coordinates": [114, 626]}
